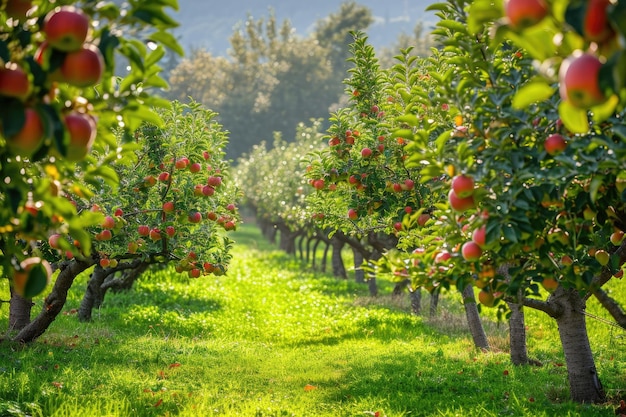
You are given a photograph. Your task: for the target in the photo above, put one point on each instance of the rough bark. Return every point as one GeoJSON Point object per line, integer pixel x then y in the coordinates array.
{"type": "Point", "coordinates": [611, 305]}
{"type": "Point", "coordinates": [434, 302]}
{"type": "Point", "coordinates": [359, 273]}
{"type": "Point", "coordinates": [415, 296]}
{"type": "Point", "coordinates": [517, 334]}
{"type": "Point", "coordinates": [339, 269]}
{"type": "Point", "coordinates": [314, 253]}
{"type": "Point", "coordinates": [287, 240]}
{"type": "Point", "coordinates": [19, 311]}
{"type": "Point", "coordinates": [473, 319]}
{"type": "Point", "coordinates": [54, 302]}
{"type": "Point", "coordinates": [92, 293]}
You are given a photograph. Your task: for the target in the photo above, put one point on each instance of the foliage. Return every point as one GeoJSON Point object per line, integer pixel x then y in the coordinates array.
{"type": "Point", "coordinates": [41, 176]}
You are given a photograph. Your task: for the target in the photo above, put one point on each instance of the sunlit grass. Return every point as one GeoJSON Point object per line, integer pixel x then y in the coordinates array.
{"type": "Point", "coordinates": [273, 338]}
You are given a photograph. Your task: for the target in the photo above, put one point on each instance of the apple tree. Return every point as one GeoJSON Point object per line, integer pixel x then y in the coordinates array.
{"type": "Point", "coordinates": [533, 197]}
{"type": "Point", "coordinates": [61, 99]}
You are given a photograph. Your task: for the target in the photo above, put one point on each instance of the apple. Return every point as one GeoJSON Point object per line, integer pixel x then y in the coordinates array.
{"type": "Point", "coordinates": [398, 226]}
{"type": "Point", "coordinates": [408, 209]}
{"type": "Point", "coordinates": [105, 262]}
{"type": "Point", "coordinates": [602, 257]}
{"type": "Point", "coordinates": [84, 67]}
{"type": "Point", "coordinates": [579, 80]}
{"type": "Point", "coordinates": [366, 152]}
{"type": "Point", "coordinates": [30, 137]}
{"type": "Point", "coordinates": [149, 180]}
{"type": "Point", "coordinates": [66, 28]}
{"type": "Point", "coordinates": [230, 225]}
{"type": "Point", "coordinates": [181, 163]}
{"type": "Point", "coordinates": [132, 247]}
{"type": "Point", "coordinates": [164, 176]}
{"type": "Point", "coordinates": [555, 144]}
{"type": "Point", "coordinates": [231, 207]}
{"type": "Point", "coordinates": [53, 240]}
{"type": "Point", "coordinates": [423, 218]}
{"type": "Point", "coordinates": [396, 187]}
{"type": "Point", "coordinates": [143, 230]}
{"type": "Point", "coordinates": [211, 215]}
{"type": "Point", "coordinates": [14, 82]}
{"type": "Point", "coordinates": [81, 129]}
{"type": "Point", "coordinates": [549, 284]}
{"type": "Point", "coordinates": [408, 185]}
{"type": "Point", "coordinates": [155, 234]}
{"type": "Point", "coordinates": [319, 184]}
{"type": "Point", "coordinates": [480, 236]}
{"type": "Point", "coordinates": [208, 267]}
{"type": "Point", "coordinates": [168, 207]}
{"type": "Point", "coordinates": [471, 251]}
{"type": "Point", "coordinates": [118, 212]}
{"type": "Point", "coordinates": [460, 204]}
{"type": "Point", "coordinates": [108, 222]}
{"type": "Point", "coordinates": [104, 235]}
{"type": "Point", "coordinates": [194, 217]}
{"type": "Point", "coordinates": [596, 26]}
{"type": "Point", "coordinates": [214, 181]}
{"type": "Point", "coordinates": [616, 237]}
{"type": "Point", "coordinates": [353, 214]}
{"type": "Point", "coordinates": [463, 185]}
{"type": "Point", "coordinates": [197, 190]}
{"type": "Point", "coordinates": [195, 167]}
{"type": "Point", "coordinates": [18, 9]}
{"type": "Point", "coordinates": [334, 141]}
{"type": "Point", "coordinates": [442, 256]}
{"type": "Point", "coordinates": [194, 273]}
{"type": "Point", "coordinates": [525, 13]}
{"type": "Point", "coordinates": [170, 231]}
{"type": "Point", "coordinates": [21, 277]}
{"type": "Point", "coordinates": [486, 298]}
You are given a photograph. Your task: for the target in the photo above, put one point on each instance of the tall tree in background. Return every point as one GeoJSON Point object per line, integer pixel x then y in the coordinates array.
{"type": "Point", "coordinates": [273, 79]}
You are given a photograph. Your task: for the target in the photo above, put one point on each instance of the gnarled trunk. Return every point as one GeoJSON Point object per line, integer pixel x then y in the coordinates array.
{"type": "Point", "coordinates": [415, 296]}
{"type": "Point", "coordinates": [19, 311]}
{"type": "Point", "coordinates": [54, 302]}
{"type": "Point", "coordinates": [434, 302]}
{"type": "Point", "coordinates": [339, 269]}
{"type": "Point", "coordinates": [612, 306]}
{"type": "Point", "coordinates": [93, 294]}
{"type": "Point", "coordinates": [517, 334]}
{"type": "Point", "coordinates": [359, 273]}
{"type": "Point", "coordinates": [473, 318]}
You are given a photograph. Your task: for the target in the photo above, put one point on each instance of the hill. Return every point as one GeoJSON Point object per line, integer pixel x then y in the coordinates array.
{"type": "Point", "coordinates": [209, 24]}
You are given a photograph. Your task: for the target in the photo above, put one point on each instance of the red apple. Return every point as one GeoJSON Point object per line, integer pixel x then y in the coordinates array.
{"type": "Point", "coordinates": [14, 82]}
{"type": "Point", "coordinates": [118, 212]}
{"type": "Point", "coordinates": [143, 230]}
{"type": "Point", "coordinates": [442, 256]}
{"type": "Point", "coordinates": [479, 236]}
{"type": "Point", "coordinates": [53, 241]}
{"type": "Point", "coordinates": [486, 298]}
{"type": "Point", "coordinates": [211, 215]}
{"type": "Point", "coordinates": [596, 26]}
{"type": "Point", "coordinates": [579, 80]}
{"type": "Point", "coordinates": [105, 262]}
{"type": "Point", "coordinates": [155, 234]}
{"type": "Point", "coordinates": [81, 129]}
{"type": "Point", "coordinates": [555, 144]}
{"type": "Point", "coordinates": [398, 226]}
{"type": "Point", "coordinates": [616, 237]}
{"type": "Point", "coordinates": [408, 185]}
{"type": "Point", "coordinates": [197, 190]}
{"type": "Point", "coordinates": [17, 9]}
{"type": "Point", "coordinates": [195, 217]}
{"type": "Point", "coordinates": [423, 218]}
{"type": "Point", "coordinates": [194, 273]}
{"type": "Point", "coordinates": [214, 181]}
{"type": "Point", "coordinates": [21, 276]}
{"type": "Point", "coordinates": [30, 137]}
{"type": "Point", "coordinates": [66, 28]}
{"type": "Point", "coordinates": [525, 13]}
{"type": "Point", "coordinates": [208, 191]}
{"type": "Point", "coordinates": [132, 247]}
{"type": "Point", "coordinates": [319, 184]}
{"type": "Point", "coordinates": [463, 185]}
{"type": "Point", "coordinates": [396, 187]}
{"type": "Point", "coordinates": [164, 176]}
{"type": "Point", "coordinates": [230, 225]}
{"type": "Point", "coordinates": [181, 163]}
{"type": "Point", "coordinates": [170, 231]}
{"type": "Point", "coordinates": [108, 222]}
{"type": "Point", "coordinates": [460, 204]}
{"type": "Point", "coordinates": [168, 207]}
{"type": "Point", "coordinates": [231, 207]}
{"type": "Point", "coordinates": [84, 67]}
{"type": "Point", "coordinates": [471, 251]}
{"type": "Point", "coordinates": [195, 167]}
{"type": "Point", "coordinates": [366, 152]}
{"type": "Point", "coordinates": [353, 214]}
{"type": "Point", "coordinates": [104, 235]}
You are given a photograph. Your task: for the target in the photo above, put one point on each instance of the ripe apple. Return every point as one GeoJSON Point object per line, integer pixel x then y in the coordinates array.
{"type": "Point", "coordinates": [81, 129]}
{"type": "Point", "coordinates": [408, 185]}
{"type": "Point", "coordinates": [197, 190]}
{"type": "Point", "coordinates": [105, 262]}
{"type": "Point", "coordinates": [118, 212]}
{"type": "Point", "coordinates": [366, 152]}
{"type": "Point", "coordinates": [442, 256]}
{"type": "Point", "coordinates": [181, 163]}
{"type": "Point", "coordinates": [486, 298]}
{"type": "Point", "coordinates": [555, 144]}
{"type": "Point", "coordinates": [22, 277]}
{"type": "Point", "coordinates": [53, 240]}
{"type": "Point", "coordinates": [596, 26]}
{"type": "Point", "coordinates": [480, 236]}
{"type": "Point", "coordinates": [149, 180]}
{"type": "Point", "coordinates": [214, 181]}
{"type": "Point", "coordinates": [617, 237]}
{"type": "Point", "coordinates": [132, 247]}
{"type": "Point", "coordinates": [66, 28]}
{"type": "Point", "coordinates": [194, 273]}
{"type": "Point", "coordinates": [168, 207]}
{"type": "Point", "coordinates": [108, 222]}
{"type": "Point", "coordinates": [170, 231]}
{"type": "Point", "coordinates": [155, 234]}
{"type": "Point", "coordinates": [319, 184]}
{"type": "Point", "coordinates": [602, 257]}
{"type": "Point", "coordinates": [104, 235]}
{"type": "Point", "coordinates": [164, 176]}
{"type": "Point", "coordinates": [579, 80]}
{"type": "Point", "coordinates": [334, 141]}
{"type": "Point", "coordinates": [195, 217]}
{"type": "Point", "coordinates": [396, 187]}
{"type": "Point", "coordinates": [211, 215]}
{"type": "Point", "coordinates": [84, 67]}
{"type": "Point", "coordinates": [14, 82]}
{"type": "Point", "coordinates": [471, 251]}
{"type": "Point", "coordinates": [525, 13]}
{"type": "Point", "coordinates": [460, 204]}
{"type": "Point", "coordinates": [17, 9]}
{"type": "Point", "coordinates": [463, 185]}
{"type": "Point", "coordinates": [230, 225]}
{"type": "Point", "coordinates": [353, 214]}
{"type": "Point", "coordinates": [549, 284]}
{"type": "Point", "coordinates": [195, 167]}
{"type": "Point", "coordinates": [231, 207]}
{"type": "Point", "coordinates": [143, 230]}
{"type": "Point", "coordinates": [423, 218]}
{"type": "Point", "coordinates": [398, 226]}
{"type": "Point", "coordinates": [30, 137]}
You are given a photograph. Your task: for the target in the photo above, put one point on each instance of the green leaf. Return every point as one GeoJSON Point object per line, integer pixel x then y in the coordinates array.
{"type": "Point", "coordinates": [574, 119]}
{"type": "Point", "coordinates": [605, 110]}
{"type": "Point", "coordinates": [594, 187]}
{"type": "Point", "coordinates": [36, 282]}
{"type": "Point", "coordinates": [168, 40]}
{"type": "Point", "coordinates": [532, 92]}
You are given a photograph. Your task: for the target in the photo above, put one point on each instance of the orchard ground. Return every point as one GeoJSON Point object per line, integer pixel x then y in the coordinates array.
{"type": "Point", "coordinates": [273, 338]}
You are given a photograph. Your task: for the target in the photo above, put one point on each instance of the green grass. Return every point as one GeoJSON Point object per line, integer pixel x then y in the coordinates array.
{"type": "Point", "coordinates": [273, 339]}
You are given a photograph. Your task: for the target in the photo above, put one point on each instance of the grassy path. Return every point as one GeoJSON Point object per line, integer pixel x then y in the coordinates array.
{"type": "Point", "coordinates": [273, 339]}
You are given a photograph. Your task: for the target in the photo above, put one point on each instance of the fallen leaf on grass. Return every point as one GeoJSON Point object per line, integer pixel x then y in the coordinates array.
{"type": "Point", "coordinates": [158, 403]}
{"type": "Point", "coordinates": [174, 365]}
{"type": "Point", "coordinates": [309, 387]}
{"type": "Point", "coordinates": [59, 385]}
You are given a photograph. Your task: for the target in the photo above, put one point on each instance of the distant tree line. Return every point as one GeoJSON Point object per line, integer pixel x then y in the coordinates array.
{"type": "Point", "coordinates": [273, 79]}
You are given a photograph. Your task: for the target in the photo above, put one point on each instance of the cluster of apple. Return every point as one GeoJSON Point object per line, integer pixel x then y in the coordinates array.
{"type": "Point", "coordinates": [579, 74]}
{"type": "Point", "coordinates": [66, 57]}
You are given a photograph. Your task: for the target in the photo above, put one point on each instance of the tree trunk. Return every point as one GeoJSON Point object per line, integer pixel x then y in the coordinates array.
{"type": "Point", "coordinates": [93, 293]}
{"type": "Point", "coordinates": [359, 274]}
{"type": "Point", "coordinates": [314, 253]}
{"type": "Point", "coordinates": [287, 241]}
{"type": "Point", "coordinates": [434, 302]}
{"type": "Point", "coordinates": [585, 386]}
{"type": "Point", "coordinates": [54, 302]}
{"type": "Point", "coordinates": [339, 269]}
{"type": "Point", "coordinates": [325, 257]}
{"type": "Point", "coordinates": [473, 318]}
{"type": "Point", "coordinates": [415, 295]}
{"type": "Point", "coordinates": [614, 309]}
{"type": "Point", "coordinates": [517, 334]}
{"type": "Point", "coordinates": [19, 311]}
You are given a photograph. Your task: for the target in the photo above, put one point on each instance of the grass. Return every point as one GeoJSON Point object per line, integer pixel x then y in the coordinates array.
{"type": "Point", "coordinates": [274, 339]}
